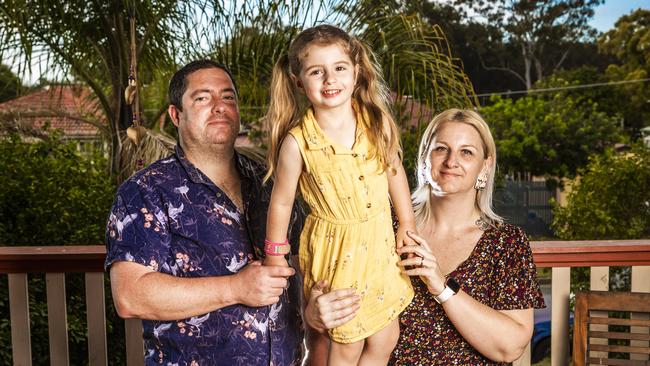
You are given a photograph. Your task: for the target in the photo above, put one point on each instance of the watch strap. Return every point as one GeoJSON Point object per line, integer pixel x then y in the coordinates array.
{"type": "Point", "coordinates": [445, 295]}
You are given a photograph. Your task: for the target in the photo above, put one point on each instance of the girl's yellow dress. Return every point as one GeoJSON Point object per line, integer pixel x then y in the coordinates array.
{"type": "Point", "coordinates": [348, 237]}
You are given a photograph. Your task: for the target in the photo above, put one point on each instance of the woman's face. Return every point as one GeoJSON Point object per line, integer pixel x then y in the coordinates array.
{"type": "Point", "coordinates": [457, 157]}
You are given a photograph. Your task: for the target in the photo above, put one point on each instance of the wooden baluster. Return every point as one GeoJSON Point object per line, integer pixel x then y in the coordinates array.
{"type": "Point", "coordinates": [96, 315]}
{"type": "Point", "coordinates": [134, 342]}
{"type": "Point", "coordinates": [57, 318]}
{"type": "Point", "coordinates": [561, 278]}
{"type": "Point", "coordinates": [524, 360]}
{"type": "Point", "coordinates": [19, 308]}
{"type": "Point", "coordinates": [599, 281]}
{"type": "Point", "coordinates": [640, 283]}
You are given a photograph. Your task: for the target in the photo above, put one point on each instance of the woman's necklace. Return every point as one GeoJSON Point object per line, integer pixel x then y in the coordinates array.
{"type": "Point", "coordinates": [482, 224]}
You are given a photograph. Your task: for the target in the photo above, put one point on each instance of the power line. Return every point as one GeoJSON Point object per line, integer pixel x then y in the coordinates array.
{"type": "Point", "coordinates": [565, 87]}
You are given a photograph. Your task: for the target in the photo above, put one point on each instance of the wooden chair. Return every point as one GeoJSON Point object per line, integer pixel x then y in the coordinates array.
{"type": "Point", "coordinates": [592, 307]}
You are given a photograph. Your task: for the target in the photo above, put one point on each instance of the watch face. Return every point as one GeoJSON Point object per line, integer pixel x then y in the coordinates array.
{"type": "Point", "coordinates": [453, 284]}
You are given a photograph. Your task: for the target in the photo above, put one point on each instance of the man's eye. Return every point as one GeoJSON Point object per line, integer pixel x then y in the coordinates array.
{"type": "Point", "coordinates": [200, 99]}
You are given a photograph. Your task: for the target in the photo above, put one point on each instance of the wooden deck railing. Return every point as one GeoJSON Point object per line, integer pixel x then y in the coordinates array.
{"type": "Point", "coordinates": [55, 261]}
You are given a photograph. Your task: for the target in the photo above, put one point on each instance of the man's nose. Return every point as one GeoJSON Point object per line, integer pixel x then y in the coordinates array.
{"type": "Point", "coordinates": [219, 105]}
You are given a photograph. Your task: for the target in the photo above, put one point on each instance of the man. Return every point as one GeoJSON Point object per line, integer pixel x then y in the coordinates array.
{"type": "Point", "coordinates": [184, 240]}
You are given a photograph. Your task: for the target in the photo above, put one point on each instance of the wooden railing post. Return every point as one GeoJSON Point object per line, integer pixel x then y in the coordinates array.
{"type": "Point", "coordinates": [640, 283]}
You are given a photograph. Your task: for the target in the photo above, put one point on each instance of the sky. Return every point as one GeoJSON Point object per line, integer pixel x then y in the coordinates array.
{"type": "Point", "coordinates": [606, 14]}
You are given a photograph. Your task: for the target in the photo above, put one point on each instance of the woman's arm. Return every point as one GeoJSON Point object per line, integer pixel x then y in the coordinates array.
{"type": "Point", "coordinates": [500, 335]}
{"type": "Point", "coordinates": [282, 196]}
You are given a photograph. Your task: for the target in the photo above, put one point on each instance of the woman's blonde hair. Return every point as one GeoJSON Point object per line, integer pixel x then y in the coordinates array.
{"type": "Point", "coordinates": [422, 196]}
{"type": "Point", "coordinates": [370, 95]}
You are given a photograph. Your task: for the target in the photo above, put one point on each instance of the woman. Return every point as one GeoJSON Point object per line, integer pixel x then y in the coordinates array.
{"type": "Point", "coordinates": [474, 276]}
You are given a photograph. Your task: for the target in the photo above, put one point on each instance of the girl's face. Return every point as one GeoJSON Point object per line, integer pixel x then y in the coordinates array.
{"type": "Point", "coordinates": [457, 157]}
{"type": "Point", "coordinates": [327, 76]}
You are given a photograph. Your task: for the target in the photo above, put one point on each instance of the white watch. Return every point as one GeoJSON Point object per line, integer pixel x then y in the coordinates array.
{"type": "Point", "coordinates": [451, 289]}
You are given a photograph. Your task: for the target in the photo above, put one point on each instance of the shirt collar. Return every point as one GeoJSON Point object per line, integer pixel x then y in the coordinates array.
{"type": "Point", "coordinates": [246, 167]}
{"type": "Point", "coordinates": [316, 139]}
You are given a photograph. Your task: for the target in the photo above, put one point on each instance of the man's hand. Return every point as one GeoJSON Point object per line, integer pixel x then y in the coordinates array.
{"type": "Point", "coordinates": [256, 285]}
{"type": "Point", "coordinates": [326, 310]}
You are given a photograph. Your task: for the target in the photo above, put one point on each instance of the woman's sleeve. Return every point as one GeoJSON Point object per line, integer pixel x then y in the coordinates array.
{"type": "Point", "coordinates": [516, 283]}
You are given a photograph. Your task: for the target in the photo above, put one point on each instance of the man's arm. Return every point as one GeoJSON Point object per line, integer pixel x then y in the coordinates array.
{"type": "Point", "coordinates": [140, 292]}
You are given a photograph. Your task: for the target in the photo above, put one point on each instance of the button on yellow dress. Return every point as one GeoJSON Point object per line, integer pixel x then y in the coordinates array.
{"type": "Point", "coordinates": [348, 237]}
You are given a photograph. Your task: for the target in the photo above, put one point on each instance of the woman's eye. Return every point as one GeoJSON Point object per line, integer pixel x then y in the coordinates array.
{"type": "Point", "coordinates": [467, 152]}
{"type": "Point", "coordinates": [440, 149]}
{"type": "Point", "coordinates": [200, 99]}
{"type": "Point", "coordinates": [340, 68]}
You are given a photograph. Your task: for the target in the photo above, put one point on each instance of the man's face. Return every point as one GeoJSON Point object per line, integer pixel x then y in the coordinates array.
{"type": "Point", "coordinates": [210, 113]}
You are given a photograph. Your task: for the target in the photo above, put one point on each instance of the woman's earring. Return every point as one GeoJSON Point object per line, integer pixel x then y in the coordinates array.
{"type": "Point", "coordinates": [481, 181]}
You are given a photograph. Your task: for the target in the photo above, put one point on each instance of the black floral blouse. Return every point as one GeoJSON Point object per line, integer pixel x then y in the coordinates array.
{"type": "Point", "coordinates": [499, 272]}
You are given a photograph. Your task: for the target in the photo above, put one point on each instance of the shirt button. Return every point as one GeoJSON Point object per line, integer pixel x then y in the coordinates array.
{"type": "Point", "coordinates": [369, 205]}
{"type": "Point", "coordinates": [218, 194]}
{"type": "Point", "coordinates": [361, 177]}
{"type": "Point", "coordinates": [354, 155]}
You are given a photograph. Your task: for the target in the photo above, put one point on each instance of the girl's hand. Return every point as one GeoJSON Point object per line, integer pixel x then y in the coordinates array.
{"type": "Point", "coordinates": [329, 309]}
{"type": "Point", "coordinates": [402, 239]}
{"type": "Point", "coordinates": [423, 264]}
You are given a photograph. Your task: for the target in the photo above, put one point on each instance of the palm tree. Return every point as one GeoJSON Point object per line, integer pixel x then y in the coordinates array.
{"type": "Point", "coordinates": [89, 42]}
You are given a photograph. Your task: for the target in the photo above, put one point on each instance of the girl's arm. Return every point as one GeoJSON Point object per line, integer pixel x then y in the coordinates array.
{"type": "Point", "coordinates": [398, 188]}
{"type": "Point", "coordinates": [282, 197]}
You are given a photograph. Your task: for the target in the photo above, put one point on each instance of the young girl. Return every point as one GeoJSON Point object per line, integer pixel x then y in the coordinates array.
{"type": "Point", "coordinates": [344, 151]}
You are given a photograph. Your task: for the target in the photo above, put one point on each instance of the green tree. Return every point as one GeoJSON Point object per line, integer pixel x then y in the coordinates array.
{"type": "Point", "coordinates": [53, 196]}
{"type": "Point", "coordinates": [548, 136]}
{"type": "Point", "coordinates": [609, 200]}
{"type": "Point", "coordinates": [90, 43]}
{"type": "Point", "coordinates": [542, 31]}
{"type": "Point", "coordinates": [10, 84]}
{"type": "Point", "coordinates": [629, 42]}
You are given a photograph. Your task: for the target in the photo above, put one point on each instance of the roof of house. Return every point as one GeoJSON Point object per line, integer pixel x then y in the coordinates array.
{"type": "Point", "coordinates": [60, 106]}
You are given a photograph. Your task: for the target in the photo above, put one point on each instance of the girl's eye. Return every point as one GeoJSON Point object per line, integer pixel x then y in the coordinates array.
{"type": "Point", "coordinates": [315, 72]}
{"type": "Point", "coordinates": [340, 68]}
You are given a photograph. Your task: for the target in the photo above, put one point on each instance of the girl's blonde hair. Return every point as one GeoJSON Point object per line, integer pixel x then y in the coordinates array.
{"type": "Point", "coordinates": [422, 196]}
{"type": "Point", "coordinates": [370, 95]}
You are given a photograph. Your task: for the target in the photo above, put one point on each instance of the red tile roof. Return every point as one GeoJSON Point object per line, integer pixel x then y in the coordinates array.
{"type": "Point", "coordinates": [58, 105]}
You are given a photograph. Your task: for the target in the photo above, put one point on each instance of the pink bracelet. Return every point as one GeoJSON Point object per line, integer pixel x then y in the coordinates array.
{"type": "Point", "coordinates": [277, 249]}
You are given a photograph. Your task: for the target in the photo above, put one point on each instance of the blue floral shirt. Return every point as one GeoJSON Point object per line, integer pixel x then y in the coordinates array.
{"type": "Point", "coordinates": [171, 218]}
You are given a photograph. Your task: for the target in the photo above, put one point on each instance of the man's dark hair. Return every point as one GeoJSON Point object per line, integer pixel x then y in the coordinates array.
{"type": "Point", "coordinates": [178, 83]}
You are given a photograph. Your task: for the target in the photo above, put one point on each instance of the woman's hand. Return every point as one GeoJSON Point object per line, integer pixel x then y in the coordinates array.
{"type": "Point", "coordinates": [422, 263]}
{"type": "Point", "coordinates": [330, 309]}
